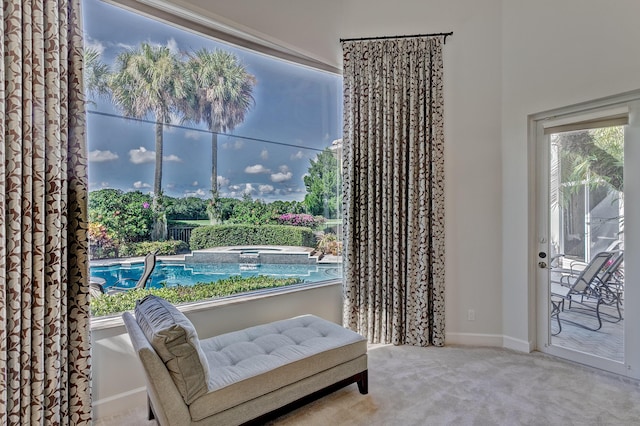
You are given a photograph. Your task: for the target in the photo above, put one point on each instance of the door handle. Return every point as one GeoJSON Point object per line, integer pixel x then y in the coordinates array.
{"type": "Point", "coordinates": [542, 265]}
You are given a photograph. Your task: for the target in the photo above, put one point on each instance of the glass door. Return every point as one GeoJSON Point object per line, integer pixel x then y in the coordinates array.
{"type": "Point", "coordinates": [586, 219]}
{"type": "Point", "coordinates": [582, 274]}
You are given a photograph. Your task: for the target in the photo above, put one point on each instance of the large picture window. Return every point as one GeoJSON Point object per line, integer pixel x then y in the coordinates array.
{"type": "Point", "coordinates": [222, 160]}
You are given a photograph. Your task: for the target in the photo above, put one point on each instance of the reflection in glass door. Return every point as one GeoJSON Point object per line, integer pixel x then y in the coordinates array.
{"type": "Point", "coordinates": [586, 241]}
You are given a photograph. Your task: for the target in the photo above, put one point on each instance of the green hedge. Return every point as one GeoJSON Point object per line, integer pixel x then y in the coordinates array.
{"type": "Point", "coordinates": [238, 235]}
{"type": "Point", "coordinates": [108, 304]}
{"type": "Point", "coordinates": [164, 248]}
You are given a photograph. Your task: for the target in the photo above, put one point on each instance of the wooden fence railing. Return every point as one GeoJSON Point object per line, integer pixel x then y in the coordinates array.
{"type": "Point", "coordinates": [182, 233]}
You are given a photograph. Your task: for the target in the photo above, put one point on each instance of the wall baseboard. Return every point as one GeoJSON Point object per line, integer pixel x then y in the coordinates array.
{"type": "Point", "coordinates": [474, 339]}
{"type": "Point", "coordinates": [496, 340]}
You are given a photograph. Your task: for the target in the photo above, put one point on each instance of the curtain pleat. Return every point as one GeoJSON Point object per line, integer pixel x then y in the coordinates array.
{"type": "Point", "coordinates": [393, 172]}
{"type": "Point", "coordinates": [45, 369]}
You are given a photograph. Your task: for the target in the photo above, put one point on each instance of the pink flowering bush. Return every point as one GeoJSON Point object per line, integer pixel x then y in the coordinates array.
{"type": "Point", "coordinates": [301, 219]}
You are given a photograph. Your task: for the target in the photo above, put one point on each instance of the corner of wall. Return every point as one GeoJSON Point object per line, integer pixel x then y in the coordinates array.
{"type": "Point", "coordinates": [517, 344]}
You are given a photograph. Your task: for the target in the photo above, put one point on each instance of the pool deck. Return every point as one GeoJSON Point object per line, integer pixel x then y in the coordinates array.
{"type": "Point", "coordinates": [232, 254]}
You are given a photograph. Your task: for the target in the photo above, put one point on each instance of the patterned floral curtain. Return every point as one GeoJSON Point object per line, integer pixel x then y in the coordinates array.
{"type": "Point", "coordinates": [44, 306]}
{"type": "Point", "coordinates": [393, 171]}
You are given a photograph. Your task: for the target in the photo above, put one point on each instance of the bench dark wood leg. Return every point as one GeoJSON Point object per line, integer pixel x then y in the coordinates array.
{"type": "Point", "coordinates": [150, 414]}
{"type": "Point", "coordinates": [363, 382]}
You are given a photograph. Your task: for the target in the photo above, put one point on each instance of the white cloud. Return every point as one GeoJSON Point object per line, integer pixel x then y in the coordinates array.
{"type": "Point", "coordinates": [172, 45]}
{"type": "Point", "coordinates": [93, 185]}
{"type": "Point", "coordinates": [98, 156]}
{"type": "Point", "coordinates": [90, 43]}
{"type": "Point", "coordinates": [172, 158]}
{"type": "Point", "coordinates": [284, 168]}
{"type": "Point", "coordinates": [192, 134]}
{"type": "Point", "coordinates": [140, 185]}
{"type": "Point", "coordinates": [236, 145]}
{"type": "Point", "coordinates": [281, 177]}
{"type": "Point", "coordinates": [125, 46]}
{"type": "Point", "coordinates": [243, 188]}
{"type": "Point", "coordinates": [222, 181]}
{"type": "Point", "coordinates": [195, 183]}
{"type": "Point", "coordinates": [264, 154]}
{"type": "Point", "coordinates": [297, 156]}
{"type": "Point", "coordinates": [201, 193]}
{"type": "Point", "coordinates": [141, 156]}
{"type": "Point", "coordinates": [265, 189]}
{"type": "Point", "coordinates": [257, 168]}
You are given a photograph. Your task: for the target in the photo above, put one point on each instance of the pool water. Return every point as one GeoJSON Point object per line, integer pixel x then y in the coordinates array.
{"type": "Point", "coordinates": [172, 274]}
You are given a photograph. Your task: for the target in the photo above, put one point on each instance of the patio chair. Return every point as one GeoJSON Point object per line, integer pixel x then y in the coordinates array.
{"type": "Point", "coordinates": [613, 276]}
{"type": "Point", "coordinates": [96, 289]}
{"type": "Point", "coordinates": [560, 264]}
{"type": "Point", "coordinates": [588, 290]}
{"type": "Point", "coordinates": [149, 265]}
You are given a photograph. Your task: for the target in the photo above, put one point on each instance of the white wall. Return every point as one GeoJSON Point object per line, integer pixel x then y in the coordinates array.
{"type": "Point", "coordinates": [555, 53]}
{"type": "Point", "coordinates": [472, 121]}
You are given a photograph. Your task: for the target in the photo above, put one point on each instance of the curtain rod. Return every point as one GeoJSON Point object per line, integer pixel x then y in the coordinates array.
{"type": "Point", "coordinates": [399, 36]}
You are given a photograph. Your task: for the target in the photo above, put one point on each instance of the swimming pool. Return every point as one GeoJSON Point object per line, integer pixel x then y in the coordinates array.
{"type": "Point", "coordinates": [172, 274]}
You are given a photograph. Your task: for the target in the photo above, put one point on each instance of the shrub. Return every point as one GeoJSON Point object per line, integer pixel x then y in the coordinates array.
{"type": "Point", "coordinates": [127, 216]}
{"type": "Point", "coordinates": [251, 212]}
{"type": "Point", "coordinates": [120, 302]}
{"type": "Point", "coordinates": [101, 243]}
{"type": "Point", "coordinates": [165, 248]}
{"type": "Point", "coordinates": [234, 235]}
{"type": "Point", "coordinates": [329, 244]}
{"type": "Point", "coordinates": [301, 219]}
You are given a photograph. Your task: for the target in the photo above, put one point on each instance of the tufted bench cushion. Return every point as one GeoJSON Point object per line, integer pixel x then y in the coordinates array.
{"type": "Point", "coordinates": [252, 362]}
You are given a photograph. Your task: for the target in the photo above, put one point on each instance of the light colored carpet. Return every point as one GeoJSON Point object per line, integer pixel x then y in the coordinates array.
{"type": "Point", "coordinates": [475, 386]}
{"type": "Point", "coordinates": [458, 385]}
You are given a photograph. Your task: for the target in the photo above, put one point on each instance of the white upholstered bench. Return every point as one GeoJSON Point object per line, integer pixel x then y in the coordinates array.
{"type": "Point", "coordinates": [244, 376]}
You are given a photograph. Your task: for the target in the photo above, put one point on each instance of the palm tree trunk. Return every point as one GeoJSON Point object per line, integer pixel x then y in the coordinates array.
{"type": "Point", "coordinates": [157, 181]}
{"type": "Point", "coordinates": [214, 214]}
{"type": "Point", "coordinates": [214, 165]}
{"type": "Point", "coordinates": [159, 232]}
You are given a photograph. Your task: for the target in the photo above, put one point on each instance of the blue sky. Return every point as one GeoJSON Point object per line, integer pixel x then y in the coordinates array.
{"type": "Point", "coordinates": [294, 105]}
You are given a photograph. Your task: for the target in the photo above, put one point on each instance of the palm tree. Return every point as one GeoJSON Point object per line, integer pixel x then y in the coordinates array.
{"type": "Point", "coordinates": [96, 74]}
{"type": "Point", "coordinates": [221, 94]}
{"type": "Point", "coordinates": [597, 153]}
{"type": "Point", "coordinates": [148, 80]}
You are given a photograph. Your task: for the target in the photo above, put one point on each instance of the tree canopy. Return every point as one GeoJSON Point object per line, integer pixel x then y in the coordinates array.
{"type": "Point", "coordinates": [323, 194]}
{"type": "Point", "coordinates": [220, 94]}
{"type": "Point", "coordinates": [148, 80]}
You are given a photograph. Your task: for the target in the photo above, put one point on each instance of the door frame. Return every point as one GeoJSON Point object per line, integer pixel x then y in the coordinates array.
{"type": "Point", "coordinates": [538, 242]}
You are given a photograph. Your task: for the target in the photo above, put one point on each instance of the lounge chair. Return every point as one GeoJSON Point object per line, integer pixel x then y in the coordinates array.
{"type": "Point", "coordinates": [96, 289]}
{"type": "Point", "coordinates": [149, 265]}
{"type": "Point", "coordinates": [560, 264]}
{"type": "Point", "coordinates": [589, 290]}
{"type": "Point", "coordinates": [613, 276]}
